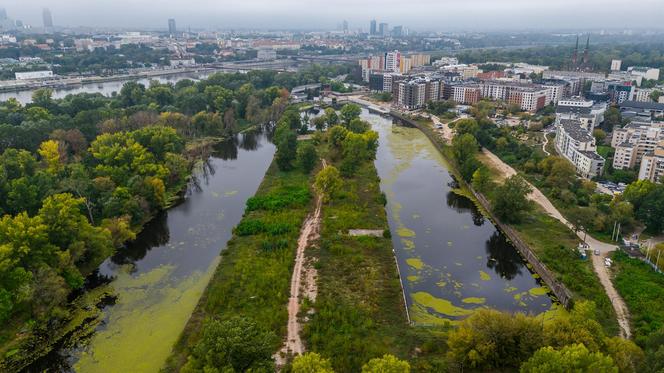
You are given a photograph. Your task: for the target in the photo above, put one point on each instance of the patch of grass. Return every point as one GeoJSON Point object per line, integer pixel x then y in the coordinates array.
{"type": "Point", "coordinates": [643, 291]}
{"type": "Point", "coordinates": [253, 277]}
{"type": "Point", "coordinates": [359, 312]}
{"type": "Point", "coordinates": [605, 151]}
{"type": "Point", "coordinates": [555, 245]}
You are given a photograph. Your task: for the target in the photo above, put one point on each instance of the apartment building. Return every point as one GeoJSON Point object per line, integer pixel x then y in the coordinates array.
{"type": "Point", "coordinates": [652, 165]}
{"type": "Point", "coordinates": [466, 94]}
{"type": "Point", "coordinates": [634, 141]}
{"type": "Point", "coordinates": [578, 147]}
{"type": "Point", "coordinates": [587, 112]}
{"type": "Point", "coordinates": [412, 94]}
{"type": "Point", "coordinates": [529, 97]}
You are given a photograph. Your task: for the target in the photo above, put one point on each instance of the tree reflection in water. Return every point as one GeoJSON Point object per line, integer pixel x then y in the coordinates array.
{"type": "Point", "coordinates": [155, 233]}
{"type": "Point", "coordinates": [462, 204]}
{"type": "Point", "coordinates": [502, 257]}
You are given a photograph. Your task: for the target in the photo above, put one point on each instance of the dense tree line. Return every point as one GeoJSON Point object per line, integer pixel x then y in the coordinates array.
{"type": "Point", "coordinates": [80, 176]}
{"type": "Point", "coordinates": [559, 57]}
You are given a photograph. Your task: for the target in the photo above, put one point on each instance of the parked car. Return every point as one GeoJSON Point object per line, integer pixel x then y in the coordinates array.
{"type": "Point", "coordinates": [596, 251]}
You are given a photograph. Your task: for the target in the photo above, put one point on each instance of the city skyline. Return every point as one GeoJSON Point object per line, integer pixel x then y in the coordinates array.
{"type": "Point", "coordinates": [288, 14]}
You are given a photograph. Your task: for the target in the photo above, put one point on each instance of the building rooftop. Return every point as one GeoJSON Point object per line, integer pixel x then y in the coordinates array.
{"type": "Point", "coordinates": [592, 155]}
{"type": "Point", "coordinates": [642, 105]}
{"type": "Point", "coordinates": [574, 130]}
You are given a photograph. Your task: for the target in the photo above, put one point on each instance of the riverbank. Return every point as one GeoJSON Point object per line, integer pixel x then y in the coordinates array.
{"type": "Point", "coordinates": [359, 289]}
{"type": "Point", "coordinates": [553, 243]}
{"type": "Point", "coordinates": [253, 276]}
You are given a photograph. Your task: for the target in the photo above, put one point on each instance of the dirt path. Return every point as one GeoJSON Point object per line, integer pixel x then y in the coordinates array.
{"type": "Point", "coordinates": [302, 281]}
{"type": "Point", "coordinates": [537, 196]}
{"type": "Point", "coordinates": [618, 304]}
{"type": "Point", "coordinates": [545, 143]}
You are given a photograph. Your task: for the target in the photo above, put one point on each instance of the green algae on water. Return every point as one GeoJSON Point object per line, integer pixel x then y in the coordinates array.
{"type": "Point", "coordinates": [405, 232]}
{"type": "Point", "coordinates": [474, 300]}
{"type": "Point", "coordinates": [413, 278]}
{"type": "Point", "coordinates": [146, 321]}
{"type": "Point", "coordinates": [439, 305]}
{"type": "Point", "coordinates": [485, 276]}
{"type": "Point", "coordinates": [539, 291]}
{"type": "Point", "coordinates": [415, 263]}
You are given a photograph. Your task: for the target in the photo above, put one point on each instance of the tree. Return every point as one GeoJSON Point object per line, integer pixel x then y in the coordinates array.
{"type": "Point", "coordinates": [328, 183]}
{"type": "Point", "coordinates": [311, 362]}
{"type": "Point", "coordinates": [306, 156]}
{"type": "Point", "coordinates": [655, 95]}
{"type": "Point", "coordinates": [51, 152]}
{"type": "Point", "coordinates": [286, 142]}
{"type": "Point", "coordinates": [511, 199]}
{"type": "Point", "coordinates": [492, 340]}
{"type": "Point", "coordinates": [651, 211]}
{"type": "Point", "coordinates": [354, 150]}
{"type": "Point", "coordinates": [331, 117]}
{"type": "Point", "coordinates": [234, 345]}
{"type": "Point", "coordinates": [612, 118]}
{"type": "Point", "coordinates": [350, 112]}
{"type": "Point", "coordinates": [627, 356]}
{"type": "Point", "coordinates": [574, 358]}
{"type": "Point", "coordinates": [357, 125]}
{"type": "Point", "coordinates": [599, 135]}
{"type": "Point", "coordinates": [466, 126]}
{"type": "Point", "coordinates": [482, 180]}
{"type": "Point", "coordinates": [386, 364]}
{"type": "Point", "coordinates": [464, 149]}
{"type": "Point", "coordinates": [336, 135]}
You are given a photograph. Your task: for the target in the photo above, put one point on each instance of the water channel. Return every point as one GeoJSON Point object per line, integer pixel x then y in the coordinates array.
{"type": "Point", "coordinates": [452, 259]}
{"type": "Point", "coordinates": [160, 277]}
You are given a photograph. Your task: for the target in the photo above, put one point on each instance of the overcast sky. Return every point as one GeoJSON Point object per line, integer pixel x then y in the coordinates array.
{"type": "Point", "coordinates": [327, 14]}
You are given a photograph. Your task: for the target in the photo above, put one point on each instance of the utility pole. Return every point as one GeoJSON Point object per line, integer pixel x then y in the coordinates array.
{"type": "Point", "coordinates": [613, 233]}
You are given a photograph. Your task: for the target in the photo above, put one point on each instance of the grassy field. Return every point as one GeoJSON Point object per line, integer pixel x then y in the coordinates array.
{"type": "Point", "coordinates": [253, 277]}
{"type": "Point", "coordinates": [359, 312]}
{"type": "Point", "coordinates": [555, 245]}
{"type": "Point", "coordinates": [643, 291]}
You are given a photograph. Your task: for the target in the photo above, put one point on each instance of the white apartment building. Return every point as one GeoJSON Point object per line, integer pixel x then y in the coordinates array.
{"type": "Point", "coordinates": [652, 165]}
{"type": "Point", "coordinates": [634, 141]}
{"type": "Point", "coordinates": [645, 72]}
{"type": "Point", "coordinates": [616, 65]}
{"type": "Point", "coordinates": [393, 61]}
{"type": "Point", "coordinates": [587, 112]}
{"type": "Point", "coordinates": [642, 94]}
{"type": "Point", "coordinates": [578, 147]}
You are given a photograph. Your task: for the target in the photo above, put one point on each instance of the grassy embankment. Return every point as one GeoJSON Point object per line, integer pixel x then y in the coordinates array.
{"type": "Point", "coordinates": [359, 311]}
{"type": "Point", "coordinates": [555, 245]}
{"type": "Point", "coordinates": [253, 277]}
{"type": "Point", "coordinates": [643, 291]}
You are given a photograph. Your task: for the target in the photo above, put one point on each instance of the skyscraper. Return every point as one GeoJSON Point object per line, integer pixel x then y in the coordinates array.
{"type": "Point", "coordinates": [48, 19]}
{"type": "Point", "coordinates": [383, 29]}
{"type": "Point", "coordinates": [372, 28]}
{"type": "Point", "coordinates": [3, 14]}
{"type": "Point", "coordinates": [345, 27]}
{"type": "Point", "coordinates": [172, 30]}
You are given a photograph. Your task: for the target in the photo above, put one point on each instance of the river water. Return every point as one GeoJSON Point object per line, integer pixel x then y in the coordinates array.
{"type": "Point", "coordinates": [160, 277]}
{"type": "Point", "coordinates": [452, 260]}
{"type": "Point", "coordinates": [105, 88]}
